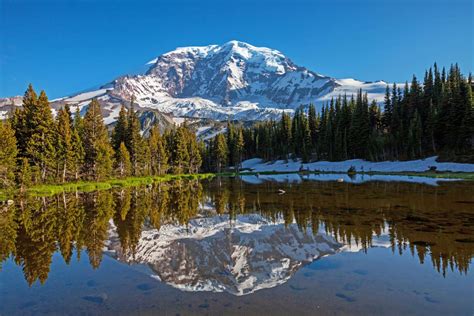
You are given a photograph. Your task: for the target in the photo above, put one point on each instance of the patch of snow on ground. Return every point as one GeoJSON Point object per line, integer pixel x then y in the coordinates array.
{"type": "Point", "coordinates": [420, 165]}
{"type": "Point", "coordinates": [87, 95]}
{"type": "Point", "coordinates": [179, 120]}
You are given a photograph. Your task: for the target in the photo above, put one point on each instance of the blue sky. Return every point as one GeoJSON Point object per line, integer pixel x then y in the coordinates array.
{"type": "Point", "coordinates": [68, 46]}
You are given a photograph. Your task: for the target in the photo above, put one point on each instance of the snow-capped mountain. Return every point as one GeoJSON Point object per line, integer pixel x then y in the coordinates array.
{"type": "Point", "coordinates": [234, 80]}
{"type": "Point", "coordinates": [240, 257]}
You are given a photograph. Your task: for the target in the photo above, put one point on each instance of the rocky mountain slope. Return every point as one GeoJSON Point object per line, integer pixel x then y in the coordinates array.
{"type": "Point", "coordinates": [214, 254]}
{"type": "Point", "coordinates": [234, 80]}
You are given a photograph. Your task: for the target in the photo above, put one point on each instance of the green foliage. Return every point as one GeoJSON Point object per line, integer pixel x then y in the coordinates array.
{"type": "Point", "coordinates": [158, 153]}
{"type": "Point", "coordinates": [433, 118]}
{"type": "Point", "coordinates": [120, 133]}
{"type": "Point", "coordinates": [122, 164]}
{"type": "Point", "coordinates": [8, 153]}
{"type": "Point", "coordinates": [133, 140]}
{"type": "Point", "coordinates": [436, 118]}
{"type": "Point", "coordinates": [97, 149]}
{"type": "Point", "coordinates": [24, 174]}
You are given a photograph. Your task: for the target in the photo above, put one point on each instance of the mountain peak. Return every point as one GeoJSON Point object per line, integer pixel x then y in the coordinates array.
{"type": "Point", "coordinates": [234, 79]}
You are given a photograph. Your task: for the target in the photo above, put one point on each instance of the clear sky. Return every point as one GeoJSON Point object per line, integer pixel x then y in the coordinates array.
{"type": "Point", "coordinates": [68, 46]}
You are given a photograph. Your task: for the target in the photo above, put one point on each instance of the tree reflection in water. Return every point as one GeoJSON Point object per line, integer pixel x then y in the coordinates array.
{"type": "Point", "coordinates": [433, 223]}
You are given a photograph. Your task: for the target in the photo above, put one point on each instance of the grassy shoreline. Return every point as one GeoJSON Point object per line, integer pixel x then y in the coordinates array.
{"type": "Point", "coordinates": [89, 186]}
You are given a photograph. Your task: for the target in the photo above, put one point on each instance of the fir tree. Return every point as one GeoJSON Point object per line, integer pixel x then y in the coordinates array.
{"type": "Point", "coordinates": [97, 149]}
{"type": "Point", "coordinates": [64, 145]}
{"type": "Point", "coordinates": [179, 150]}
{"type": "Point", "coordinates": [133, 138]}
{"type": "Point", "coordinates": [8, 153]}
{"type": "Point", "coordinates": [120, 132]}
{"type": "Point", "coordinates": [313, 126]}
{"type": "Point", "coordinates": [239, 148]}
{"type": "Point", "coordinates": [158, 153]}
{"type": "Point", "coordinates": [195, 159]}
{"type": "Point", "coordinates": [40, 147]}
{"type": "Point", "coordinates": [122, 162]}
{"type": "Point", "coordinates": [220, 152]}
{"type": "Point", "coordinates": [23, 175]}
{"type": "Point", "coordinates": [286, 136]}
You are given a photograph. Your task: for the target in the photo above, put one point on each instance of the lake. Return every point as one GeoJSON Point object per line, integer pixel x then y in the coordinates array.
{"type": "Point", "coordinates": [251, 245]}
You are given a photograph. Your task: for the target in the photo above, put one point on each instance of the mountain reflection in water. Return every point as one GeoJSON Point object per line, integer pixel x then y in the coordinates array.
{"type": "Point", "coordinates": [229, 235]}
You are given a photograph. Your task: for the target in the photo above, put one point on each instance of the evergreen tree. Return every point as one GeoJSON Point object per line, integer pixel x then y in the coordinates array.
{"type": "Point", "coordinates": [415, 137]}
{"type": "Point", "coordinates": [239, 148]}
{"type": "Point", "coordinates": [65, 149]}
{"type": "Point", "coordinates": [133, 139]}
{"type": "Point", "coordinates": [37, 131]}
{"type": "Point", "coordinates": [8, 153]}
{"type": "Point", "coordinates": [97, 149]}
{"type": "Point", "coordinates": [120, 132]}
{"type": "Point", "coordinates": [220, 152]}
{"type": "Point", "coordinates": [360, 127]}
{"type": "Point", "coordinates": [286, 136]}
{"type": "Point", "coordinates": [20, 120]}
{"type": "Point", "coordinates": [313, 126]}
{"type": "Point", "coordinates": [122, 162]}
{"type": "Point", "coordinates": [195, 159]}
{"type": "Point", "coordinates": [158, 153]}
{"type": "Point", "coordinates": [388, 110]}
{"type": "Point", "coordinates": [23, 175]}
{"type": "Point", "coordinates": [179, 150]}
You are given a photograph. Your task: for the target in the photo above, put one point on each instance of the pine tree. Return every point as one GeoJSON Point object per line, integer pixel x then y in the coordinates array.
{"type": "Point", "coordinates": [220, 152]}
{"type": "Point", "coordinates": [8, 153]}
{"type": "Point", "coordinates": [40, 145]}
{"type": "Point", "coordinates": [97, 149]}
{"type": "Point", "coordinates": [120, 132]}
{"type": "Point", "coordinates": [64, 145]}
{"type": "Point", "coordinates": [415, 137]}
{"type": "Point", "coordinates": [195, 159]}
{"type": "Point", "coordinates": [286, 136]}
{"type": "Point", "coordinates": [239, 148]}
{"type": "Point", "coordinates": [133, 139]}
{"type": "Point", "coordinates": [231, 142]}
{"type": "Point", "coordinates": [313, 126]}
{"type": "Point", "coordinates": [20, 120]}
{"type": "Point", "coordinates": [179, 150]}
{"type": "Point", "coordinates": [122, 162]}
{"type": "Point", "coordinates": [360, 127]}
{"type": "Point", "coordinates": [466, 110]}
{"type": "Point", "coordinates": [77, 145]}
{"type": "Point", "coordinates": [388, 110]}
{"type": "Point", "coordinates": [23, 175]}
{"type": "Point", "coordinates": [158, 153]}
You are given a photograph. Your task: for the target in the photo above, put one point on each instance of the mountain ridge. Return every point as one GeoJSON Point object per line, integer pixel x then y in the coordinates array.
{"type": "Point", "coordinates": [234, 80]}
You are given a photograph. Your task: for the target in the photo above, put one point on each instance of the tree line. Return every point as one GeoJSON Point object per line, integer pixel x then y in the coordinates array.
{"type": "Point", "coordinates": [418, 120]}
{"type": "Point", "coordinates": [37, 147]}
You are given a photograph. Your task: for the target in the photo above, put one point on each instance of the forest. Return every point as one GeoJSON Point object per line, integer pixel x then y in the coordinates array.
{"type": "Point", "coordinates": [435, 117]}
{"type": "Point", "coordinates": [420, 120]}
{"type": "Point", "coordinates": [37, 148]}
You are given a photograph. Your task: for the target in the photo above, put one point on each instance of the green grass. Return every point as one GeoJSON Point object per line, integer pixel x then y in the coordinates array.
{"type": "Point", "coordinates": [89, 186]}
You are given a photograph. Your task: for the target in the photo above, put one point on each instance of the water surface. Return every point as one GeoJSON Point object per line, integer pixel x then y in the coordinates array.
{"type": "Point", "coordinates": [238, 246]}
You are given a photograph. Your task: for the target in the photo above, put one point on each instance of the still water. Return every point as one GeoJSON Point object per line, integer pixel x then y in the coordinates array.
{"type": "Point", "coordinates": [239, 246]}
